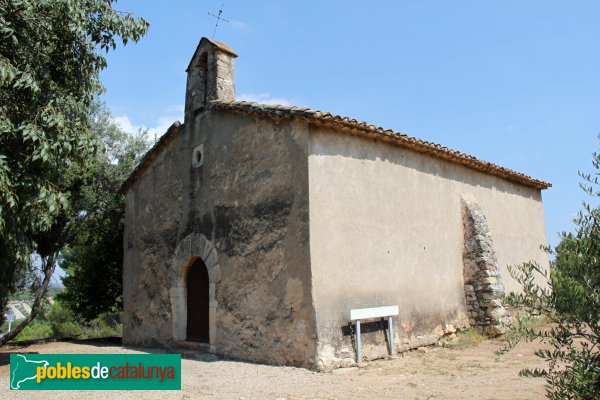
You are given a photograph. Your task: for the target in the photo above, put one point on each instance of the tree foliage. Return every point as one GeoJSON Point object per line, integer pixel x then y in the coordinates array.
{"type": "Point", "coordinates": [57, 321]}
{"type": "Point", "coordinates": [571, 301]}
{"type": "Point", "coordinates": [51, 54]}
{"type": "Point", "coordinates": [94, 259]}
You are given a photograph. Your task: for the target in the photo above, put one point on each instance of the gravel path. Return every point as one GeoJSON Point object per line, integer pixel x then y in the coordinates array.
{"type": "Point", "coordinates": [472, 373]}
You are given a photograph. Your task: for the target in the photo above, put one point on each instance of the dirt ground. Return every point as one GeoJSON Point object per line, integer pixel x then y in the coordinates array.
{"type": "Point", "coordinates": [438, 373]}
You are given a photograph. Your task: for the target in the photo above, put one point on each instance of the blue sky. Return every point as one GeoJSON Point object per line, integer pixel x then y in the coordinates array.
{"type": "Point", "coordinates": [516, 83]}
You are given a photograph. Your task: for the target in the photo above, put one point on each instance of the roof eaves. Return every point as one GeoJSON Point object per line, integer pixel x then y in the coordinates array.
{"type": "Point", "coordinates": [151, 155]}
{"type": "Point", "coordinates": [387, 135]}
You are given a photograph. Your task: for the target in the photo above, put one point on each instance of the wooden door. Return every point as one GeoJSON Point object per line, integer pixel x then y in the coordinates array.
{"type": "Point", "coordinates": [197, 302]}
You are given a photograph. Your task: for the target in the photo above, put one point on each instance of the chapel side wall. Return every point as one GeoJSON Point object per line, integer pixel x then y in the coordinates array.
{"type": "Point", "coordinates": [386, 229]}
{"type": "Point", "coordinates": [250, 200]}
{"type": "Point", "coordinates": [152, 219]}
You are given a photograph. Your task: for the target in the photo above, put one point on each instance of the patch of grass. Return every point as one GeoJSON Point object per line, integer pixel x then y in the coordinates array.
{"type": "Point", "coordinates": [535, 322]}
{"type": "Point", "coordinates": [527, 321]}
{"type": "Point", "coordinates": [466, 338]}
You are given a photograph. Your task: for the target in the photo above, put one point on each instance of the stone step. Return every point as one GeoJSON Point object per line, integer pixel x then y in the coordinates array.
{"type": "Point", "coordinates": [190, 345]}
{"type": "Point", "coordinates": [195, 350]}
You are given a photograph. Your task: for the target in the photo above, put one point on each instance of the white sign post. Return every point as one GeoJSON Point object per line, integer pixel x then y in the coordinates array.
{"type": "Point", "coordinates": [10, 317]}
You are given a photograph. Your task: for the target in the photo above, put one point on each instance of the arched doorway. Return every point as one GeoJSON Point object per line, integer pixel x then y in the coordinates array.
{"type": "Point", "coordinates": [197, 302]}
{"type": "Point", "coordinates": [192, 249]}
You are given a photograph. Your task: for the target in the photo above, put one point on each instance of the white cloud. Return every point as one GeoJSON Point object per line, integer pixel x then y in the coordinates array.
{"type": "Point", "coordinates": [176, 109]}
{"type": "Point", "coordinates": [125, 124]}
{"type": "Point", "coordinates": [239, 25]}
{"type": "Point", "coordinates": [264, 98]}
{"type": "Point", "coordinates": [159, 125]}
{"type": "Point", "coordinates": [155, 129]}
{"type": "Point", "coordinates": [162, 124]}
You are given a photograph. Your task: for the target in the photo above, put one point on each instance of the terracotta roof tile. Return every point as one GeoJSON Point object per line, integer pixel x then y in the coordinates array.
{"type": "Point", "coordinates": [336, 121]}
{"type": "Point", "coordinates": [401, 139]}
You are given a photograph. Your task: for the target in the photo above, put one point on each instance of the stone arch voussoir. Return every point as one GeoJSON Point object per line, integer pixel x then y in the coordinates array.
{"type": "Point", "coordinates": [188, 250]}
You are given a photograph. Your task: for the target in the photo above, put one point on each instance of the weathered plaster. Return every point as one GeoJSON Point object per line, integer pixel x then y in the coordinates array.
{"type": "Point", "coordinates": [249, 199]}
{"type": "Point", "coordinates": [386, 229]}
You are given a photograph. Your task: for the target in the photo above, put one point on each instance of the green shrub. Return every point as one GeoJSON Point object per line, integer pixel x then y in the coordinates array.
{"type": "Point", "coordinates": [35, 331]}
{"type": "Point", "coordinates": [571, 304]}
{"type": "Point", "coordinates": [60, 323]}
{"type": "Point", "coordinates": [106, 325]}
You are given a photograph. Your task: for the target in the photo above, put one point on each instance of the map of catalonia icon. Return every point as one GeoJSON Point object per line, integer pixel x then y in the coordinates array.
{"type": "Point", "coordinates": [24, 369]}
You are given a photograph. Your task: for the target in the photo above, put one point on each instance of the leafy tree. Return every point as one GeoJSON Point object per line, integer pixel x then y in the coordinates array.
{"type": "Point", "coordinates": [51, 54]}
{"type": "Point", "coordinates": [62, 322]}
{"type": "Point", "coordinates": [94, 260]}
{"type": "Point", "coordinates": [571, 302]}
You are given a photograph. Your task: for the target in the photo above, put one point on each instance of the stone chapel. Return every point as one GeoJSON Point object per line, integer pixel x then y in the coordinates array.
{"type": "Point", "coordinates": [254, 229]}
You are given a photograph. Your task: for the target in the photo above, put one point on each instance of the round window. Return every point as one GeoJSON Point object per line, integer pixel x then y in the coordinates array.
{"type": "Point", "coordinates": [198, 156]}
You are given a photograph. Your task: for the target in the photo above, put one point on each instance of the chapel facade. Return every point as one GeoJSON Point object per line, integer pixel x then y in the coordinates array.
{"type": "Point", "coordinates": [254, 230]}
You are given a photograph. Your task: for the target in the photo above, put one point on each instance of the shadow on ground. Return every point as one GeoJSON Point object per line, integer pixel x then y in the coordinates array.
{"type": "Point", "coordinates": [21, 348]}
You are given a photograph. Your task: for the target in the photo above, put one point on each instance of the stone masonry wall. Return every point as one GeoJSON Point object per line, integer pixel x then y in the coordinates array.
{"type": "Point", "coordinates": [483, 285]}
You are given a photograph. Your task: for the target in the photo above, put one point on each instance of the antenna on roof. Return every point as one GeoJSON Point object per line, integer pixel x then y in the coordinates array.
{"type": "Point", "coordinates": [218, 17]}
